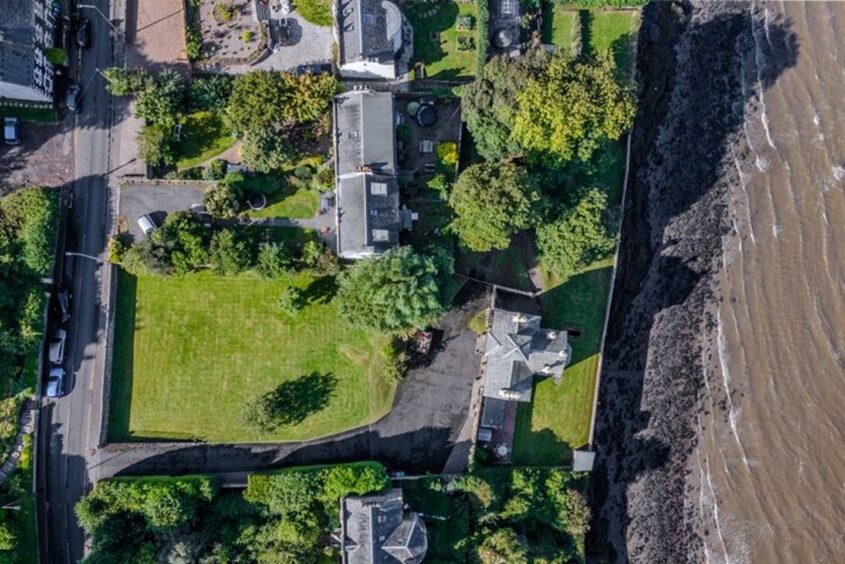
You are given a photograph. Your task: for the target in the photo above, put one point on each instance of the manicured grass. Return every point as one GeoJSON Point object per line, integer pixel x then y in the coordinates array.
{"type": "Point", "coordinates": [443, 60]}
{"type": "Point", "coordinates": [190, 351]}
{"type": "Point", "coordinates": [299, 204]}
{"type": "Point", "coordinates": [558, 420]}
{"type": "Point", "coordinates": [613, 31]}
{"type": "Point", "coordinates": [204, 135]}
{"type": "Point", "coordinates": [562, 27]}
{"type": "Point", "coordinates": [39, 115]}
{"type": "Point", "coordinates": [318, 12]}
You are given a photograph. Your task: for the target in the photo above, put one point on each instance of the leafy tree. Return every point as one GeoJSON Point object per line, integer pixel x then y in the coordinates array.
{"type": "Point", "coordinates": [291, 301]}
{"type": "Point", "coordinates": [488, 104]}
{"type": "Point", "coordinates": [33, 216]}
{"type": "Point", "coordinates": [311, 252]}
{"type": "Point", "coordinates": [216, 170]}
{"type": "Point", "coordinates": [571, 109]}
{"type": "Point", "coordinates": [397, 292]}
{"type": "Point", "coordinates": [183, 240]}
{"type": "Point", "coordinates": [502, 546]}
{"type": "Point", "coordinates": [117, 247]}
{"type": "Point", "coordinates": [341, 481]}
{"type": "Point", "coordinates": [228, 254]}
{"type": "Point", "coordinates": [8, 537]}
{"type": "Point", "coordinates": [274, 260]}
{"type": "Point", "coordinates": [223, 200]}
{"type": "Point", "coordinates": [126, 82]}
{"type": "Point", "coordinates": [580, 236]}
{"type": "Point", "coordinates": [265, 150]}
{"type": "Point", "coordinates": [161, 102]}
{"type": "Point", "coordinates": [156, 146]}
{"type": "Point", "coordinates": [289, 493]}
{"type": "Point", "coordinates": [209, 92]}
{"type": "Point", "coordinates": [492, 201]}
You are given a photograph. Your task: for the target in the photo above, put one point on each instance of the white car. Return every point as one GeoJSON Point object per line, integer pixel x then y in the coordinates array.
{"type": "Point", "coordinates": [57, 347]}
{"type": "Point", "coordinates": [147, 225]}
{"type": "Point", "coordinates": [54, 382]}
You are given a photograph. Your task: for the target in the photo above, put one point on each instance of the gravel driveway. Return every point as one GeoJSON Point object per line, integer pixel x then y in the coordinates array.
{"type": "Point", "coordinates": [157, 200]}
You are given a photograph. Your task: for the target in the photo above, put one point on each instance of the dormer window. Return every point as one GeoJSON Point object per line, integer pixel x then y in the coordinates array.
{"type": "Point", "coordinates": [380, 235]}
{"type": "Point", "coordinates": [378, 189]}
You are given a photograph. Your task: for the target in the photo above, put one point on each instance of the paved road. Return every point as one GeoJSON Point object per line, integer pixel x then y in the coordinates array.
{"type": "Point", "coordinates": [69, 427]}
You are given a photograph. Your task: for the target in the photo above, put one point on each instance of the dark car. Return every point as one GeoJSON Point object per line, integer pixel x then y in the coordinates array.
{"type": "Point", "coordinates": [74, 92]}
{"type": "Point", "coordinates": [63, 301]}
{"type": "Point", "coordinates": [314, 68]}
{"type": "Point", "coordinates": [83, 34]}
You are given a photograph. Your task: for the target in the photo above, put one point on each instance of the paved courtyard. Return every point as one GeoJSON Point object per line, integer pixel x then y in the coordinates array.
{"type": "Point", "coordinates": [43, 158]}
{"type": "Point", "coordinates": [157, 200]}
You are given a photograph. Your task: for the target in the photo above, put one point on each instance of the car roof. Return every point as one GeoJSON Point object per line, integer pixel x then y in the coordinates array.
{"type": "Point", "coordinates": [57, 372]}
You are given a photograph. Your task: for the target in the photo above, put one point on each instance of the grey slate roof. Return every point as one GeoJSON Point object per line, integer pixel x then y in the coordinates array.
{"type": "Point", "coordinates": [368, 221]}
{"type": "Point", "coordinates": [26, 26]}
{"type": "Point", "coordinates": [493, 413]}
{"type": "Point", "coordinates": [368, 30]}
{"type": "Point", "coordinates": [364, 132]}
{"type": "Point", "coordinates": [517, 349]}
{"type": "Point", "coordinates": [375, 529]}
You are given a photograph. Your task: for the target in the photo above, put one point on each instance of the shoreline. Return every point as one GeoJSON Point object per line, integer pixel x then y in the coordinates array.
{"type": "Point", "coordinates": [675, 229]}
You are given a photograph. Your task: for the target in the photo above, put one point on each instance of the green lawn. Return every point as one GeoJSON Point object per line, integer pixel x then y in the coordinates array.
{"type": "Point", "coordinates": [288, 202]}
{"type": "Point", "coordinates": [612, 30]}
{"type": "Point", "coordinates": [317, 12]}
{"type": "Point", "coordinates": [191, 350]}
{"type": "Point", "coordinates": [561, 27]}
{"type": "Point", "coordinates": [204, 135]}
{"type": "Point", "coordinates": [443, 60]}
{"type": "Point", "coordinates": [558, 420]}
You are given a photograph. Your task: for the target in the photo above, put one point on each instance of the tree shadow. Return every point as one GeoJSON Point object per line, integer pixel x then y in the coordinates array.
{"type": "Point", "coordinates": [293, 401]}
{"type": "Point", "coordinates": [123, 357]}
{"type": "Point", "coordinates": [673, 229]}
{"type": "Point", "coordinates": [321, 290]}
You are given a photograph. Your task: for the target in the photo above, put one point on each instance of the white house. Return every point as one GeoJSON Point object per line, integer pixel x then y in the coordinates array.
{"type": "Point", "coordinates": [374, 39]}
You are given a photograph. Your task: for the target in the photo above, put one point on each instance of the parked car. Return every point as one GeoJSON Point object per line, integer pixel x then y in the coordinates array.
{"type": "Point", "coordinates": [11, 131]}
{"type": "Point", "coordinates": [147, 225]}
{"type": "Point", "coordinates": [63, 299]}
{"type": "Point", "coordinates": [57, 347]}
{"type": "Point", "coordinates": [55, 382]}
{"type": "Point", "coordinates": [314, 68]}
{"type": "Point", "coordinates": [72, 99]}
{"type": "Point", "coordinates": [83, 34]}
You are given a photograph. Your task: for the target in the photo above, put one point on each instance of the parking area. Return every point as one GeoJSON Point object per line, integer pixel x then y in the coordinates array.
{"type": "Point", "coordinates": [44, 156]}
{"type": "Point", "coordinates": [156, 200]}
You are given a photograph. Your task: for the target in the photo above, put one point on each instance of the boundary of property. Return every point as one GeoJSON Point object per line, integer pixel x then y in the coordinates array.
{"type": "Point", "coordinates": [599, 367]}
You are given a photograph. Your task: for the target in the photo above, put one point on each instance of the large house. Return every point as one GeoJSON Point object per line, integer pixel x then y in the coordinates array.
{"type": "Point", "coordinates": [27, 29]}
{"type": "Point", "coordinates": [374, 39]}
{"type": "Point", "coordinates": [517, 350]}
{"type": "Point", "coordinates": [376, 529]}
{"type": "Point", "coordinates": [368, 214]}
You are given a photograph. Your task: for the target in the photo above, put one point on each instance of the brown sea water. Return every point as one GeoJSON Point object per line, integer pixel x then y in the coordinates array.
{"type": "Point", "coordinates": [722, 400]}
{"type": "Point", "coordinates": [769, 470]}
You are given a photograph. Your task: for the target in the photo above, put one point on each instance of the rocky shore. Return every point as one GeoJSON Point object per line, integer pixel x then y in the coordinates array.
{"type": "Point", "coordinates": [692, 58]}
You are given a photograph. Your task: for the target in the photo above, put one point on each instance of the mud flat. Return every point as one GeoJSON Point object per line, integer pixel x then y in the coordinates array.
{"type": "Point", "coordinates": [687, 150]}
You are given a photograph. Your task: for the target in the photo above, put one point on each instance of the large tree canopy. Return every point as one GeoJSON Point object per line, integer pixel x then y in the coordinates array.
{"type": "Point", "coordinates": [493, 201]}
{"type": "Point", "coordinates": [396, 292]}
{"type": "Point", "coordinates": [571, 109]}
{"type": "Point", "coordinates": [489, 103]}
{"type": "Point", "coordinates": [579, 236]}
{"type": "Point", "coordinates": [276, 99]}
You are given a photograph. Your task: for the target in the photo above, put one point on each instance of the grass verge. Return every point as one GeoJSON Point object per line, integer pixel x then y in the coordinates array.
{"type": "Point", "coordinates": [190, 351]}
{"type": "Point", "coordinates": [38, 115]}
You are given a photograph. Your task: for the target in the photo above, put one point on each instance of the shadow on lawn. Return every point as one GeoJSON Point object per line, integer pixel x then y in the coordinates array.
{"type": "Point", "coordinates": [123, 357]}
{"type": "Point", "coordinates": [293, 401]}
{"type": "Point", "coordinates": [320, 290]}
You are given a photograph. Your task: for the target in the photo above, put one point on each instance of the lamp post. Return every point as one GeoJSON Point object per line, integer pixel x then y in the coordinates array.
{"type": "Point", "coordinates": [102, 15]}
{"type": "Point", "coordinates": [83, 255]}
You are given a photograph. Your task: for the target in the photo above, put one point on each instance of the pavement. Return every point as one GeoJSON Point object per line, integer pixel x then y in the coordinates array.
{"type": "Point", "coordinates": [69, 428]}
{"type": "Point", "coordinates": [429, 422]}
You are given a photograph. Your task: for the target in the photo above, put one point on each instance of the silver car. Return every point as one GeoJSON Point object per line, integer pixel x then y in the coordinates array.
{"type": "Point", "coordinates": [55, 381]}
{"type": "Point", "coordinates": [11, 131]}
{"type": "Point", "coordinates": [147, 225]}
{"type": "Point", "coordinates": [57, 347]}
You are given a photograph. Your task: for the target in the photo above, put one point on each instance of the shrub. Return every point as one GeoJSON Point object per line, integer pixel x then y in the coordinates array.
{"type": "Point", "coordinates": [311, 252]}
{"type": "Point", "coordinates": [56, 55]}
{"type": "Point", "coordinates": [303, 172]}
{"type": "Point", "coordinates": [156, 146]}
{"type": "Point", "coordinates": [216, 170]}
{"type": "Point", "coordinates": [247, 36]}
{"type": "Point", "coordinates": [209, 93]}
{"type": "Point", "coordinates": [125, 82]}
{"type": "Point", "coordinates": [482, 34]}
{"type": "Point", "coordinates": [466, 43]}
{"type": "Point", "coordinates": [224, 11]}
{"type": "Point", "coordinates": [291, 301]}
{"type": "Point", "coordinates": [228, 254]}
{"type": "Point", "coordinates": [440, 184]}
{"type": "Point", "coordinates": [394, 360]}
{"type": "Point", "coordinates": [118, 245]}
{"type": "Point", "coordinates": [222, 201]}
{"type": "Point", "coordinates": [274, 260]}
{"type": "Point", "coordinates": [447, 152]}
